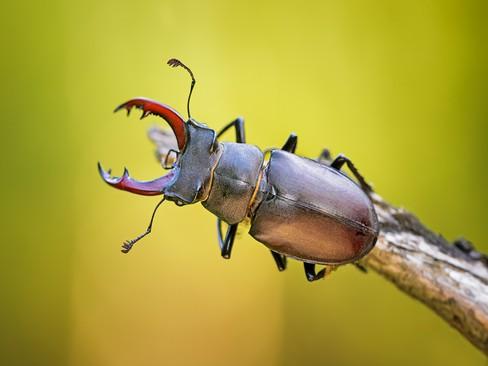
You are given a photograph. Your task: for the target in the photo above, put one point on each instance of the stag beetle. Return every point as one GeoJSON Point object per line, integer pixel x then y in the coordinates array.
{"type": "Point", "coordinates": [297, 207]}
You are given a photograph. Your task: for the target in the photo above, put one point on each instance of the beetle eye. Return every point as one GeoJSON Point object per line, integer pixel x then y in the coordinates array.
{"type": "Point", "coordinates": [170, 159]}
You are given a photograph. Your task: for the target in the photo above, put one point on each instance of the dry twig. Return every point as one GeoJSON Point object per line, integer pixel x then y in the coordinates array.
{"type": "Point", "coordinates": [450, 279]}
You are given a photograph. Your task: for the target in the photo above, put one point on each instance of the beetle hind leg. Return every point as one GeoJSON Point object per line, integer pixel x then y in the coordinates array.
{"type": "Point", "coordinates": [360, 267]}
{"type": "Point", "coordinates": [280, 260]}
{"type": "Point", "coordinates": [310, 272]}
{"type": "Point", "coordinates": [340, 160]}
{"type": "Point", "coordinates": [325, 158]}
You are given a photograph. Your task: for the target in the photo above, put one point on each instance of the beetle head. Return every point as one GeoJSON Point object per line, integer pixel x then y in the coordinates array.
{"type": "Point", "coordinates": [190, 176]}
{"type": "Point", "coordinates": [187, 181]}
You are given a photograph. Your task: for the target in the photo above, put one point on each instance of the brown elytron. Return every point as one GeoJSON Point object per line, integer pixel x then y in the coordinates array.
{"type": "Point", "coordinates": [304, 213]}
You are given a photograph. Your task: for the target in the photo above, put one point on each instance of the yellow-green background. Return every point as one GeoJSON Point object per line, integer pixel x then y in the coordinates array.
{"type": "Point", "coordinates": [399, 86]}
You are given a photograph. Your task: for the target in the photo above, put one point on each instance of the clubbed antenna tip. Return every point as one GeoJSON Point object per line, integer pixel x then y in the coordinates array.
{"type": "Point", "coordinates": [173, 62]}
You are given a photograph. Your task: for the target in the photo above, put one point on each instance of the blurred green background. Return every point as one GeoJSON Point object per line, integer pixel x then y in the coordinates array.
{"type": "Point", "coordinates": [399, 86]}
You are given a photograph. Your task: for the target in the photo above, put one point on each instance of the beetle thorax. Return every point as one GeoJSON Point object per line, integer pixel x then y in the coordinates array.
{"type": "Point", "coordinates": [194, 166]}
{"type": "Point", "coordinates": [234, 181]}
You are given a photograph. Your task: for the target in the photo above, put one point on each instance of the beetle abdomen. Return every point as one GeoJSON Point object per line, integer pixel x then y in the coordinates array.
{"type": "Point", "coordinates": [234, 181]}
{"type": "Point", "coordinates": [313, 213]}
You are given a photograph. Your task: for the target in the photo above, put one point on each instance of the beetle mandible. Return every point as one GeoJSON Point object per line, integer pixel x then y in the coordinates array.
{"type": "Point", "coordinates": [297, 207]}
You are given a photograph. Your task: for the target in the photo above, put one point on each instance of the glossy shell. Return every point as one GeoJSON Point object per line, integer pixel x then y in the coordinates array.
{"type": "Point", "coordinates": [234, 181]}
{"type": "Point", "coordinates": [312, 212]}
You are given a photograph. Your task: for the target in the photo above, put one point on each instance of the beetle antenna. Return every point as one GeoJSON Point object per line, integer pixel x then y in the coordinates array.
{"type": "Point", "coordinates": [175, 63]}
{"type": "Point", "coordinates": [128, 244]}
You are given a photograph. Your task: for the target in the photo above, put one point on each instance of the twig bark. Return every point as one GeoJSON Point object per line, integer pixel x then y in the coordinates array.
{"type": "Point", "coordinates": [452, 280]}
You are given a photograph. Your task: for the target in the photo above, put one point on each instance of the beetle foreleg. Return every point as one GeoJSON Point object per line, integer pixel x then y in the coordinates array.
{"type": "Point", "coordinates": [238, 124]}
{"type": "Point", "coordinates": [227, 242]}
{"type": "Point", "coordinates": [339, 162]}
{"type": "Point", "coordinates": [310, 272]}
{"type": "Point", "coordinates": [291, 143]}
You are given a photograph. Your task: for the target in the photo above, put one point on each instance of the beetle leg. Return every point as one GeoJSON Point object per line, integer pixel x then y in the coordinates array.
{"type": "Point", "coordinates": [325, 157]}
{"type": "Point", "coordinates": [227, 242]}
{"type": "Point", "coordinates": [238, 124]}
{"type": "Point", "coordinates": [361, 267]}
{"type": "Point", "coordinates": [339, 162]}
{"type": "Point", "coordinates": [291, 143]}
{"type": "Point", "coordinates": [290, 146]}
{"type": "Point", "coordinates": [280, 260]}
{"type": "Point", "coordinates": [310, 272]}
{"type": "Point", "coordinates": [468, 248]}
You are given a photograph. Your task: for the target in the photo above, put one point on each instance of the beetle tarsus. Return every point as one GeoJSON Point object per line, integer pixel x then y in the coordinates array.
{"type": "Point", "coordinates": [468, 248]}
{"type": "Point", "coordinates": [280, 260]}
{"type": "Point", "coordinates": [310, 272]}
{"type": "Point", "coordinates": [226, 243]}
{"type": "Point", "coordinates": [360, 267]}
